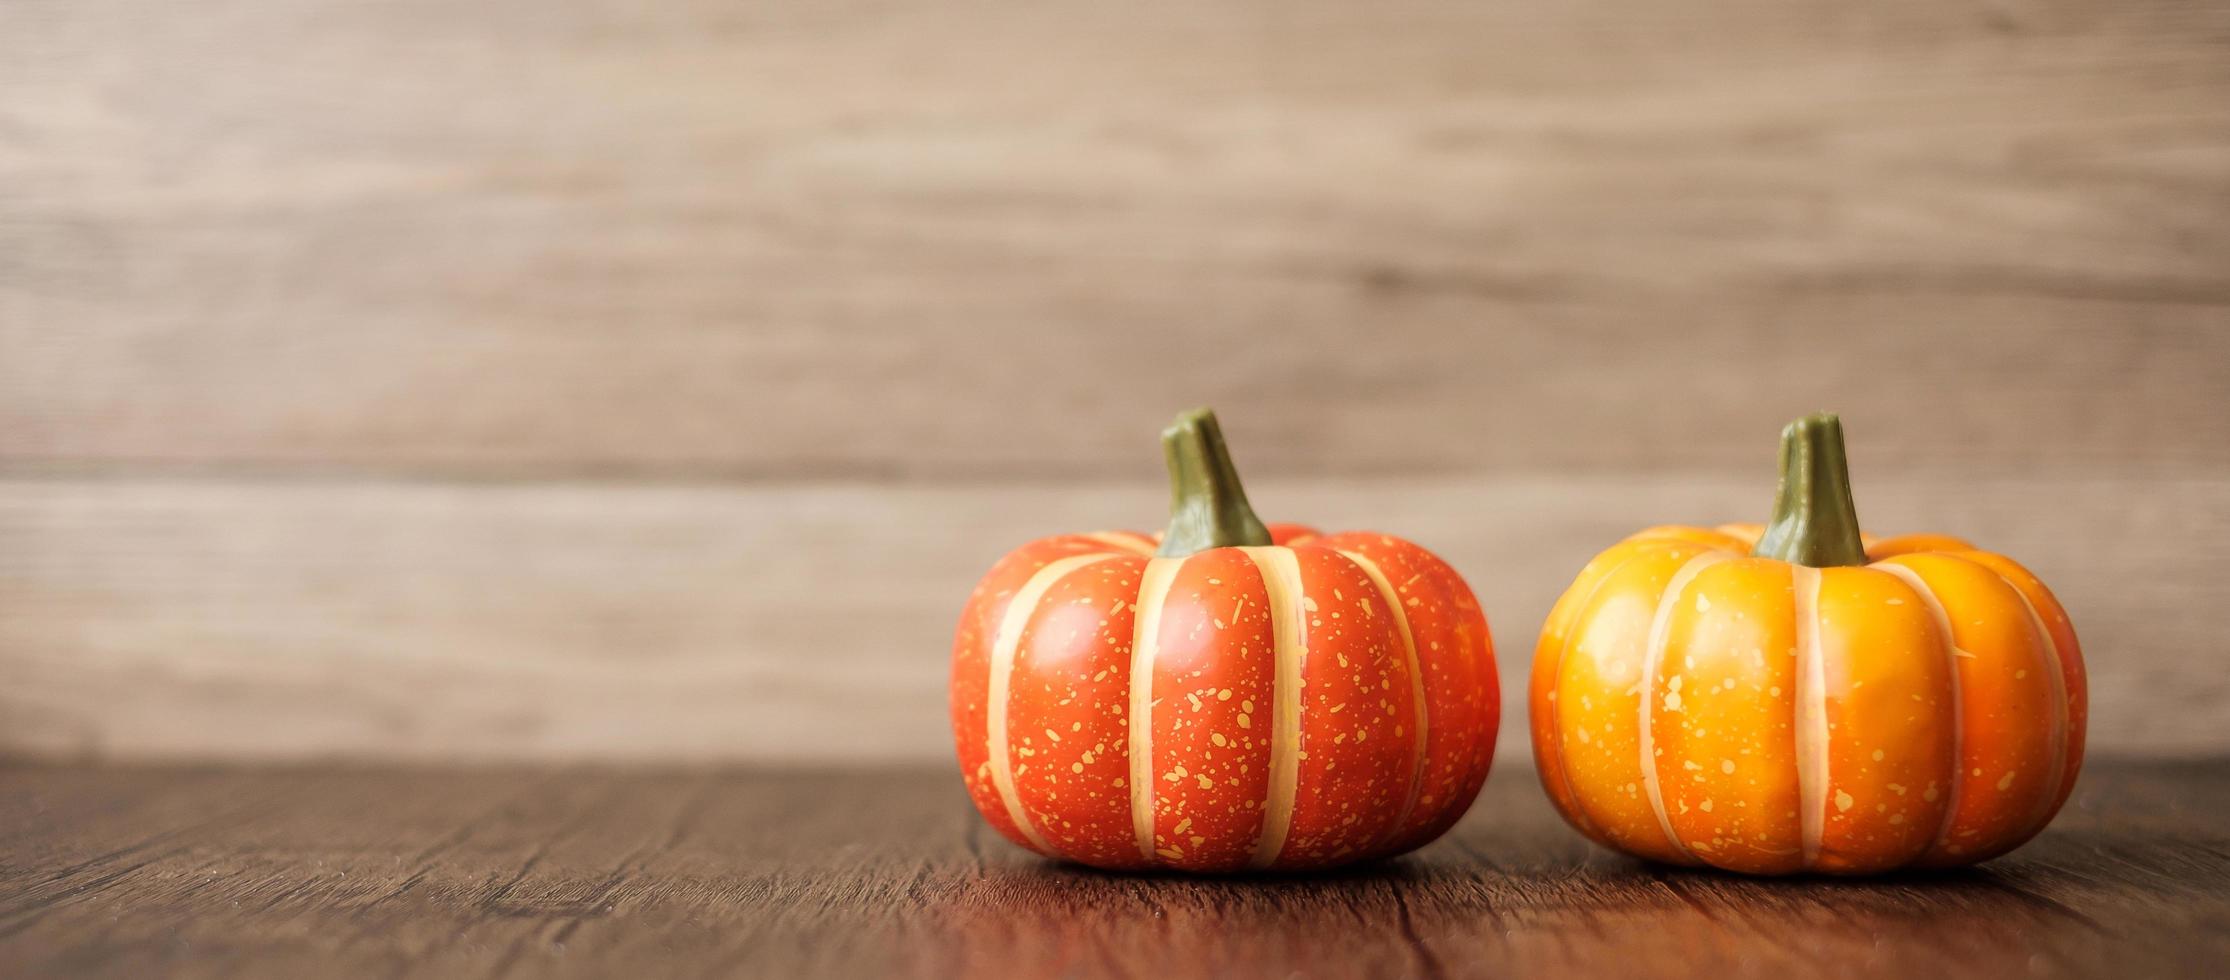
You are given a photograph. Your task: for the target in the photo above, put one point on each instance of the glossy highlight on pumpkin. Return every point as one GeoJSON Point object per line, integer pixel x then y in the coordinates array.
{"type": "Point", "coordinates": [1249, 697]}
{"type": "Point", "coordinates": [1693, 703]}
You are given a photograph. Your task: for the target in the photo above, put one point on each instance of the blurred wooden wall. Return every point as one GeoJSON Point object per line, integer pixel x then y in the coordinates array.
{"type": "Point", "coordinates": [501, 379]}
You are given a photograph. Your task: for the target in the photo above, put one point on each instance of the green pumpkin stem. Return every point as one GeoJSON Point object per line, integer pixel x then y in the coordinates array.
{"type": "Point", "coordinates": [1814, 522]}
{"type": "Point", "coordinates": [1207, 506]}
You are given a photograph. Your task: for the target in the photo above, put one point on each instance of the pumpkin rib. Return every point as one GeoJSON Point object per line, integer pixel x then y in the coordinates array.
{"type": "Point", "coordinates": [1066, 694]}
{"type": "Point", "coordinates": [2065, 645]}
{"type": "Point", "coordinates": [1885, 669]}
{"type": "Point", "coordinates": [2054, 668]}
{"type": "Point", "coordinates": [1660, 634]}
{"type": "Point", "coordinates": [1716, 745]}
{"type": "Point", "coordinates": [1217, 633]}
{"type": "Point", "coordinates": [1999, 647]}
{"type": "Point", "coordinates": [1423, 710]}
{"type": "Point", "coordinates": [1811, 714]}
{"type": "Point", "coordinates": [1552, 706]}
{"type": "Point", "coordinates": [1486, 683]}
{"type": "Point", "coordinates": [1153, 596]}
{"type": "Point", "coordinates": [1281, 583]}
{"type": "Point", "coordinates": [1936, 609]}
{"type": "Point", "coordinates": [1006, 641]}
{"type": "Point", "coordinates": [971, 677]}
{"type": "Point", "coordinates": [1455, 656]}
{"type": "Point", "coordinates": [1478, 734]}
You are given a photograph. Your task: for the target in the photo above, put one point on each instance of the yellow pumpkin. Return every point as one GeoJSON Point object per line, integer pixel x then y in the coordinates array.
{"type": "Point", "coordinates": [1800, 697]}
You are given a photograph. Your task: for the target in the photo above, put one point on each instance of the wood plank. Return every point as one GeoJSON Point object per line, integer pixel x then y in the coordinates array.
{"type": "Point", "coordinates": [440, 621]}
{"type": "Point", "coordinates": [858, 239]}
{"type": "Point", "coordinates": [886, 872]}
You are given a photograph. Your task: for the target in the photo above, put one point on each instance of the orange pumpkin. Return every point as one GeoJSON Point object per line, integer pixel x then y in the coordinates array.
{"type": "Point", "coordinates": [1225, 696]}
{"type": "Point", "coordinates": [1797, 697]}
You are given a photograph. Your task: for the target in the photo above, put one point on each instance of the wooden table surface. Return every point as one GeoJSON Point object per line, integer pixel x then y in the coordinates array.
{"type": "Point", "coordinates": [516, 872]}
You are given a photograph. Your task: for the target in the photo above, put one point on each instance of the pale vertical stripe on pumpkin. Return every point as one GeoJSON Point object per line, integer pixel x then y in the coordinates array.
{"type": "Point", "coordinates": [1958, 709]}
{"type": "Point", "coordinates": [1423, 719]}
{"type": "Point", "coordinates": [1005, 644]}
{"type": "Point", "coordinates": [1128, 542]}
{"type": "Point", "coordinates": [1153, 594]}
{"type": "Point", "coordinates": [2054, 672]}
{"type": "Point", "coordinates": [1281, 585]}
{"type": "Point", "coordinates": [1811, 714]}
{"type": "Point", "coordinates": [1660, 634]}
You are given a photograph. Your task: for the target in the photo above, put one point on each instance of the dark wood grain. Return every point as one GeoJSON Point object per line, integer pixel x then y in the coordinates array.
{"type": "Point", "coordinates": [298, 872]}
